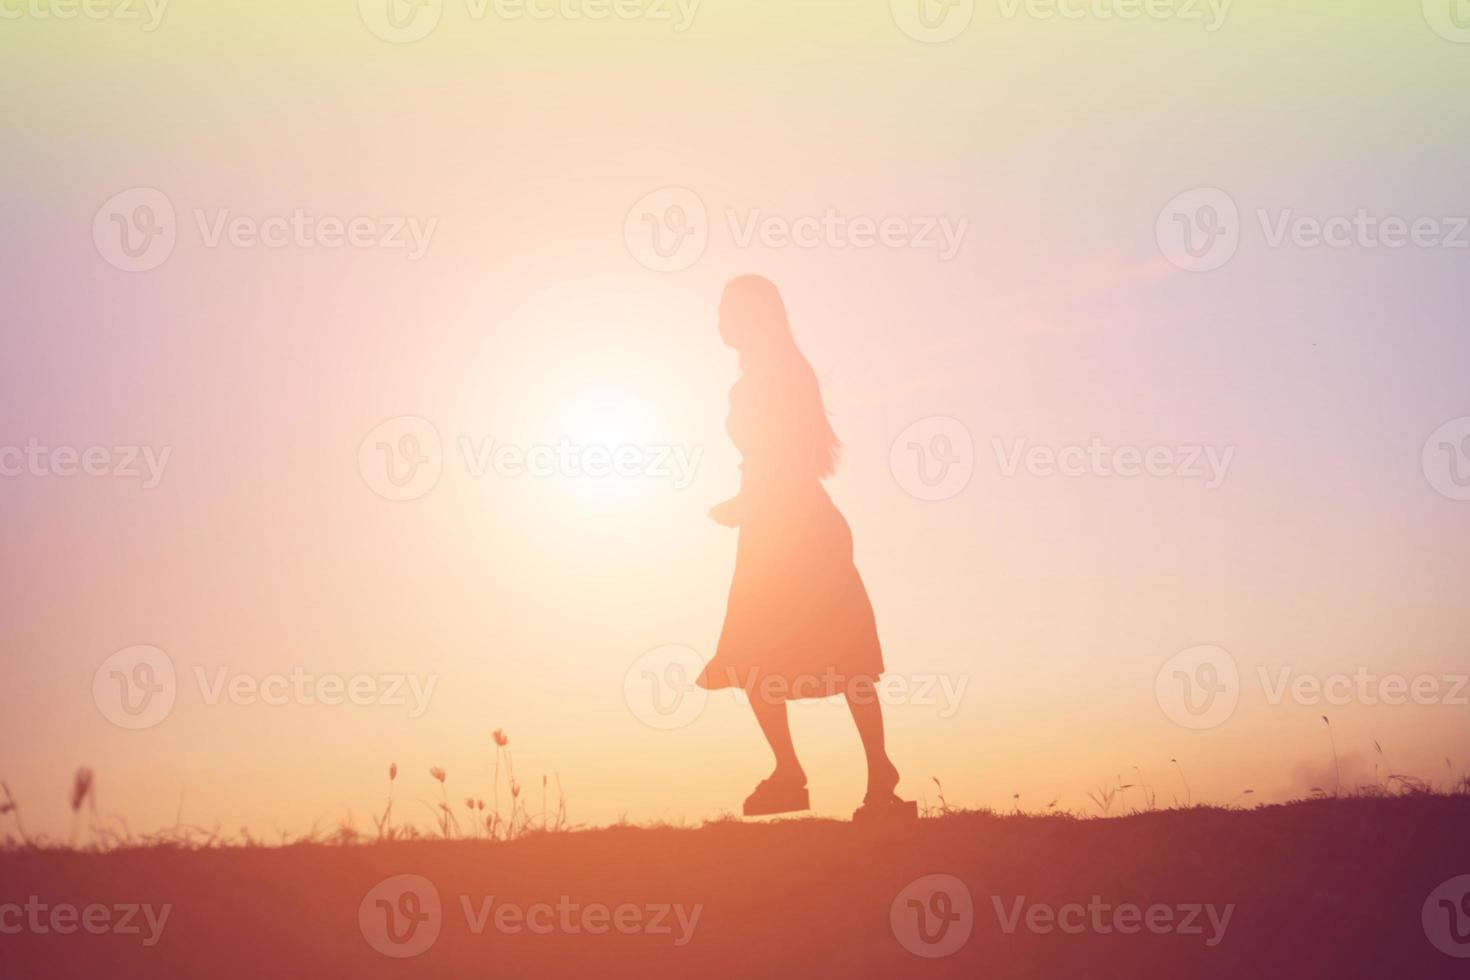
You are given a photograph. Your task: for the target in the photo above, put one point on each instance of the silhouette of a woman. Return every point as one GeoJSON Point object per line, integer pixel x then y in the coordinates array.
{"type": "Point", "coordinates": [799, 623]}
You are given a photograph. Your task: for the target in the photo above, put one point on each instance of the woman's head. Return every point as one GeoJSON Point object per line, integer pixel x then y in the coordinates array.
{"type": "Point", "coordinates": [753, 317]}
{"type": "Point", "coordinates": [753, 321]}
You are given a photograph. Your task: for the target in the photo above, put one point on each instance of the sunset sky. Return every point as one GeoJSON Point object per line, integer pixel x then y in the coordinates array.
{"type": "Point", "coordinates": [547, 166]}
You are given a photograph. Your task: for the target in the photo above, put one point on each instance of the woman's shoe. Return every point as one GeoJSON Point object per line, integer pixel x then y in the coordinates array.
{"type": "Point", "coordinates": [885, 808]}
{"type": "Point", "coordinates": [770, 798]}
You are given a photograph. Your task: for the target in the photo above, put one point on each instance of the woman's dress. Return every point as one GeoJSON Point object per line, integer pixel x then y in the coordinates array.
{"type": "Point", "coordinates": [798, 623]}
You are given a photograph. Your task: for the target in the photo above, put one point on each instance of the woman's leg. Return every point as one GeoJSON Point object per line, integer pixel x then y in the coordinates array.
{"type": "Point", "coordinates": [771, 715]}
{"type": "Point", "coordinates": [862, 701]}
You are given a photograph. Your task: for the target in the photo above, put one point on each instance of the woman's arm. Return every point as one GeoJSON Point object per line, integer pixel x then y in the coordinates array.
{"type": "Point", "coordinates": [727, 514]}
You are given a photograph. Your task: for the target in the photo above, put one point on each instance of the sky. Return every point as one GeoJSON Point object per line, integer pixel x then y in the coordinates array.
{"type": "Point", "coordinates": [345, 301]}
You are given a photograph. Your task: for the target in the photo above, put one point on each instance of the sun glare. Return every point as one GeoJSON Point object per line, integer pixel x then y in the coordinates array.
{"type": "Point", "coordinates": [609, 418]}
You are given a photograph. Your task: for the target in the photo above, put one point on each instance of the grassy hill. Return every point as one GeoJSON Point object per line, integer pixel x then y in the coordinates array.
{"type": "Point", "coordinates": [1329, 888]}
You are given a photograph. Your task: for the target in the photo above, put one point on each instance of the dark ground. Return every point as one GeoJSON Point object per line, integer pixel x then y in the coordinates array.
{"type": "Point", "coordinates": [1319, 889]}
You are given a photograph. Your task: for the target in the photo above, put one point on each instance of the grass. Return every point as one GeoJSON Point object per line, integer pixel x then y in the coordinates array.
{"type": "Point", "coordinates": [486, 822]}
{"type": "Point", "coordinates": [481, 822]}
{"type": "Point", "coordinates": [1331, 886]}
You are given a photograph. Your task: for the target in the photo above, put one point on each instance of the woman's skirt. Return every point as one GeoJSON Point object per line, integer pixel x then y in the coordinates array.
{"type": "Point", "coordinates": [799, 623]}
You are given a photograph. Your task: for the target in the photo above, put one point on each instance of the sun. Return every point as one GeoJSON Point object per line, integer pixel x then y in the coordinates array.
{"type": "Point", "coordinates": [606, 418]}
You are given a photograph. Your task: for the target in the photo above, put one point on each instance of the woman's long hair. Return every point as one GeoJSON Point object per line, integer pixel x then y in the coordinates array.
{"type": "Point", "coordinates": [753, 320]}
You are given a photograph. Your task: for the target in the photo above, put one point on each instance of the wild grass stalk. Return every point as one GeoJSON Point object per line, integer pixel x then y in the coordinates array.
{"type": "Point", "coordinates": [1336, 766]}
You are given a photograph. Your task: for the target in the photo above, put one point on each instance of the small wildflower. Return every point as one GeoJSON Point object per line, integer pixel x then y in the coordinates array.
{"type": "Point", "coordinates": [81, 788]}
{"type": "Point", "coordinates": [437, 773]}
